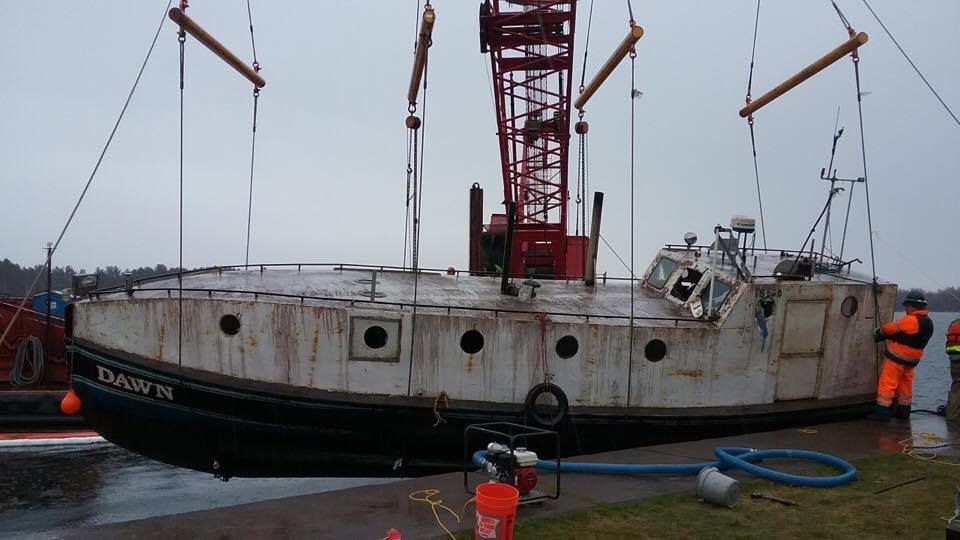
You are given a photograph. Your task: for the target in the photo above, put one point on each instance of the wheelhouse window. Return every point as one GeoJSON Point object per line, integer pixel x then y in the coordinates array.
{"type": "Point", "coordinates": [720, 292]}
{"type": "Point", "coordinates": [684, 286]}
{"type": "Point", "coordinates": [661, 273]}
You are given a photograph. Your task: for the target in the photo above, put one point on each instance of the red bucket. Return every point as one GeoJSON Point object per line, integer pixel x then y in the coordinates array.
{"type": "Point", "coordinates": [496, 511]}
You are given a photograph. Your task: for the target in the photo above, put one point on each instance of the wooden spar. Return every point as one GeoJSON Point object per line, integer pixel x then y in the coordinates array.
{"type": "Point", "coordinates": [618, 55]}
{"type": "Point", "coordinates": [190, 26]}
{"type": "Point", "coordinates": [420, 57]}
{"type": "Point", "coordinates": [846, 48]}
{"type": "Point", "coordinates": [590, 276]}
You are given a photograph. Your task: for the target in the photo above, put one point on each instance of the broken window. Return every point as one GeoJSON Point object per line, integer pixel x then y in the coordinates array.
{"type": "Point", "coordinates": [684, 286]}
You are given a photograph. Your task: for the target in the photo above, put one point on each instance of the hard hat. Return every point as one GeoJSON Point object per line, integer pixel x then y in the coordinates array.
{"type": "Point", "coordinates": [915, 298]}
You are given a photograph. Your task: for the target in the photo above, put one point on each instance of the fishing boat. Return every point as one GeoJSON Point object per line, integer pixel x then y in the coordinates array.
{"type": "Point", "coordinates": [353, 370]}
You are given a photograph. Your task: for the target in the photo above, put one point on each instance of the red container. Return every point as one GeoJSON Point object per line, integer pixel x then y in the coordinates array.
{"type": "Point", "coordinates": [496, 511]}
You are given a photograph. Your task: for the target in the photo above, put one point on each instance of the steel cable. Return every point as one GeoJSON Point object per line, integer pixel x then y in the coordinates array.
{"type": "Point", "coordinates": [753, 139]}
{"type": "Point", "coordinates": [181, 38]}
{"type": "Point", "coordinates": [914, 66]}
{"type": "Point", "coordinates": [93, 173]}
{"type": "Point", "coordinates": [253, 136]}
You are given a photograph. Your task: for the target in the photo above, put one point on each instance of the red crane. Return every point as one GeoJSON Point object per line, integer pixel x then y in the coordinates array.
{"type": "Point", "coordinates": [531, 57]}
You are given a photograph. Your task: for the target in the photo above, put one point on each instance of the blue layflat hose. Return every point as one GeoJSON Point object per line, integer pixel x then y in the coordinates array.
{"type": "Point", "coordinates": [727, 458]}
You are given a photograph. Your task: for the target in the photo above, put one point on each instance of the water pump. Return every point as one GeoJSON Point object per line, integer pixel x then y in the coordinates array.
{"type": "Point", "coordinates": [512, 467]}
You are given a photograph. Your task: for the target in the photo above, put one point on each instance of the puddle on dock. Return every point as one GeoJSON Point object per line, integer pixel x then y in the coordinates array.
{"type": "Point", "coordinates": [44, 489]}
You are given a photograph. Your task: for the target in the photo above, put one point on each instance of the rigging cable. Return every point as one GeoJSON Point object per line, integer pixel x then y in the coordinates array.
{"type": "Point", "coordinates": [914, 66]}
{"type": "Point", "coordinates": [753, 139]}
{"type": "Point", "coordinates": [583, 195]}
{"type": "Point", "coordinates": [253, 137]}
{"type": "Point", "coordinates": [633, 125]}
{"type": "Point", "coordinates": [93, 174]}
{"type": "Point", "coordinates": [875, 286]}
{"type": "Point", "coordinates": [181, 39]}
{"type": "Point", "coordinates": [418, 143]}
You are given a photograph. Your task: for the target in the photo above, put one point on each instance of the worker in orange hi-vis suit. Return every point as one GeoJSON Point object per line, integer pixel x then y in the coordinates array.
{"type": "Point", "coordinates": [906, 339]}
{"type": "Point", "coordinates": [952, 410]}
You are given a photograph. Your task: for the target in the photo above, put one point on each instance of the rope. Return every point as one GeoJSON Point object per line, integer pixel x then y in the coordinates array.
{"type": "Point", "coordinates": [181, 39]}
{"type": "Point", "coordinates": [28, 368]}
{"type": "Point", "coordinates": [542, 319]}
{"type": "Point", "coordinates": [630, 11]}
{"type": "Point", "coordinates": [753, 138]}
{"type": "Point", "coordinates": [442, 396]}
{"type": "Point", "coordinates": [914, 66]}
{"type": "Point", "coordinates": [911, 450]}
{"type": "Point", "coordinates": [427, 497]}
{"type": "Point", "coordinates": [93, 174]}
{"type": "Point", "coordinates": [253, 136]}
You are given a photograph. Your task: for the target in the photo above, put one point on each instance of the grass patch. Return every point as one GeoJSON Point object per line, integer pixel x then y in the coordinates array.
{"type": "Point", "coordinates": [851, 511]}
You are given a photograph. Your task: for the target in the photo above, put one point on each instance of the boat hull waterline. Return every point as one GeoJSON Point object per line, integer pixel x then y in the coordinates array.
{"type": "Point", "coordinates": [229, 428]}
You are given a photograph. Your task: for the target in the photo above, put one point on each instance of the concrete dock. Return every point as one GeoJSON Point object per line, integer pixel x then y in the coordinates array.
{"type": "Point", "coordinates": [369, 511]}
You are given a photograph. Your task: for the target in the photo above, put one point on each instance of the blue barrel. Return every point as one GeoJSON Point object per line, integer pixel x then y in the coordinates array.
{"type": "Point", "coordinates": [57, 304]}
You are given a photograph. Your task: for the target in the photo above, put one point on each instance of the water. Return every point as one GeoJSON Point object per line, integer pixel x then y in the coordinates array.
{"type": "Point", "coordinates": [44, 489]}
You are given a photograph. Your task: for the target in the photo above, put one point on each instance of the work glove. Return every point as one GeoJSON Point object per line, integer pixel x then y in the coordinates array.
{"type": "Point", "coordinates": [878, 335]}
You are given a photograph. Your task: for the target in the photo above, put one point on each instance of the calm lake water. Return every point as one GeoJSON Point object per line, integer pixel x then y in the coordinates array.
{"type": "Point", "coordinates": [44, 489]}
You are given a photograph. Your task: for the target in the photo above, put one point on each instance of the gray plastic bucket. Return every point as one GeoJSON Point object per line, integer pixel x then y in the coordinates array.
{"type": "Point", "coordinates": [717, 488]}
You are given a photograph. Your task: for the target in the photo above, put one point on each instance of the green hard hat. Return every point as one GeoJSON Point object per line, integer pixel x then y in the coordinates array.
{"type": "Point", "coordinates": [915, 298]}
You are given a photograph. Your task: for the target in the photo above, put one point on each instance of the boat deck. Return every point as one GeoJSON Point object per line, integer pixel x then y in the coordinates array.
{"type": "Point", "coordinates": [431, 291]}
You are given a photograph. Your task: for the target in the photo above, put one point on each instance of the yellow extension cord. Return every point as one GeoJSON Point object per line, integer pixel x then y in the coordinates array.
{"type": "Point", "coordinates": [427, 497]}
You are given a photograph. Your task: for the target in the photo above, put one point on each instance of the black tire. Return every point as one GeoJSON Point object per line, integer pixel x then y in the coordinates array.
{"type": "Point", "coordinates": [538, 418]}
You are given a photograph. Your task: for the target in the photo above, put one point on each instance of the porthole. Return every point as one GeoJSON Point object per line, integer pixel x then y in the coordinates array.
{"type": "Point", "coordinates": [567, 347]}
{"type": "Point", "coordinates": [375, 337]}
{"type": "Point", "coordinates": [471, 342]}
{"type": "Point", "coordinates": [849, 306]}
{"type": "Point", "coordinates": [655, 350]}
{"type": "Point", "coordinates": [230, 325]}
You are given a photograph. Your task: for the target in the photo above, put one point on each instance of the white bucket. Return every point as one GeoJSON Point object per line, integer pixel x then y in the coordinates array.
{"type": "Point", "coordinates": [717, 488]}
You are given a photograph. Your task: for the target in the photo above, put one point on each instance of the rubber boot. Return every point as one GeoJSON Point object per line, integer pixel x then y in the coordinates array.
{"type": "Point", "coordinates": [881, 413]}
{"type": "Point", "coordinates": [901, 412]}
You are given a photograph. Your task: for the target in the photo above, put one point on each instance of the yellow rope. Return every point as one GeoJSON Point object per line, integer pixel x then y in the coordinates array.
{"type": "Point", "coordinates": [808, 431]}
{"type": "Point", "coordinates": [910, 449]}
{"type": "Point", "coordinates": [436, 413]}
{"type": "Point", "coordinates": [427, 497]}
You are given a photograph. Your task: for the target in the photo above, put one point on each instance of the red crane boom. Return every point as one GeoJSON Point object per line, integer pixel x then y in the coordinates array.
{"type": "Point", "coordinates": [531, 57]}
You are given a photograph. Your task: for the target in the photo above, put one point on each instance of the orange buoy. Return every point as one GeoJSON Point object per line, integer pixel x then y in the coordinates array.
{"type": "Point", "coordinates": [70, 404]}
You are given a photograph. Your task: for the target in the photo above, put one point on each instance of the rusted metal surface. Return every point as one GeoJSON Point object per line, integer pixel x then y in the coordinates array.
{"type": "Point", "coordinates": [317, 341]}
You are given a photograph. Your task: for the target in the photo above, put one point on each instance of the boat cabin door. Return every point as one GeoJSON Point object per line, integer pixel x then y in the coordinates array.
{"type": "Point", "coordinates": [801, 349]}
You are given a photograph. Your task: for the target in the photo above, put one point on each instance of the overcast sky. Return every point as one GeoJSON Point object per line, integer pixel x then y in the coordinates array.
{"type": "Point", "coordinates": [331, 141]}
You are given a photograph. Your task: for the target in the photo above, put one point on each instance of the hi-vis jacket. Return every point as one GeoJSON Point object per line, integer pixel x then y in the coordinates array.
{"type": "Point", "coordinates": [953, 337]}
{"type": "Point", "coordinates": [907, 336]}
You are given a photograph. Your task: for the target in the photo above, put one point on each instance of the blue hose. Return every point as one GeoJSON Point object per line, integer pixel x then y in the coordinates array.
{"type": "Point", "coordinates": [727, 458]}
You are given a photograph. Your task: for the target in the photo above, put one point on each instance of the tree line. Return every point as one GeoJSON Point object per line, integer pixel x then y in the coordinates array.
{"type": "Point", "coordinates": [15, 280]}
{"type": "Point", "coordinates": [942, 300]}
